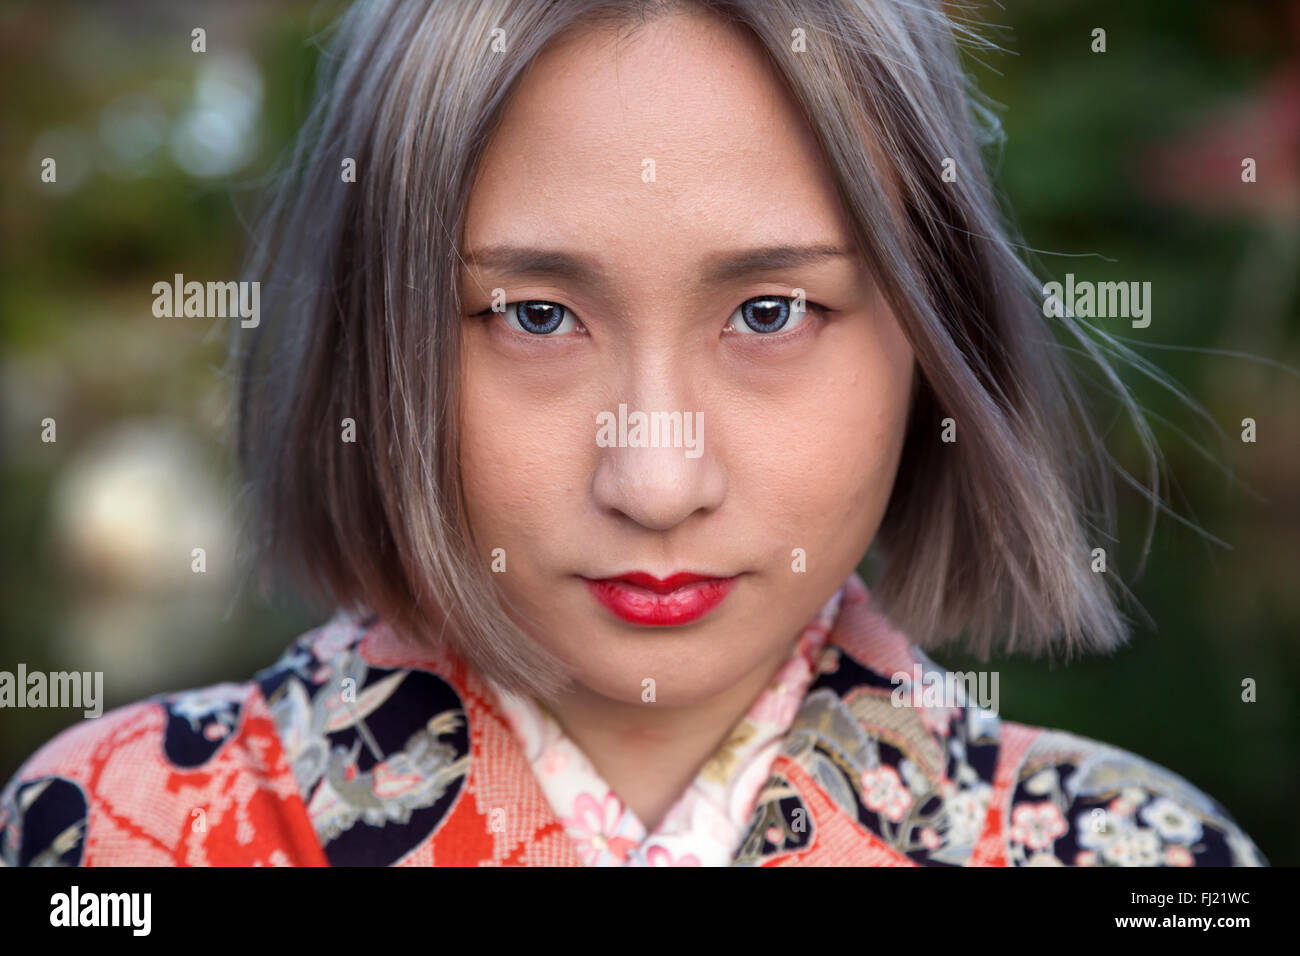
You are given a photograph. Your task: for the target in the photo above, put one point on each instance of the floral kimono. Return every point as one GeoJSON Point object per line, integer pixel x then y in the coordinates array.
{"type": "Point", "coordinates": [358, 749]}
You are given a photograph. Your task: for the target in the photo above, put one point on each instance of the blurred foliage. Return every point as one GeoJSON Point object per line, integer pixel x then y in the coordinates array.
{"type": "Point", "coordinates": [1077, 170]}
{"type": "Point", "coordinates": [80, 345]}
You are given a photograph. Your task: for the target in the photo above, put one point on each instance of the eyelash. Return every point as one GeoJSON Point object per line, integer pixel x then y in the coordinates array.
{"type": "Point", "coordinates": [809, 305]}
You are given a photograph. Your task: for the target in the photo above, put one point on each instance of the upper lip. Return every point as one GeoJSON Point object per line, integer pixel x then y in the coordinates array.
{"type": "Point", "coordinates": [643, 579]}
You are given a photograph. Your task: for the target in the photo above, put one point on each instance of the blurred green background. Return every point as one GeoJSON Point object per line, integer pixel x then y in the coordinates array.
{"type": "Point", "coordinates": [1124, 164]}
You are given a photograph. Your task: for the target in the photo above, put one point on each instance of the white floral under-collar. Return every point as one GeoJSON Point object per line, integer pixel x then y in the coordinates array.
{"type": "Point", "coordinates": [708, 821]}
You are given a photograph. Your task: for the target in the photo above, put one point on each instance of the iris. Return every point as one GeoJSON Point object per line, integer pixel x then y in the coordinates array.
{"type": "Point", "coordinates": [765, 313]}
{"type": "Point", "coordinates": [539, 318]}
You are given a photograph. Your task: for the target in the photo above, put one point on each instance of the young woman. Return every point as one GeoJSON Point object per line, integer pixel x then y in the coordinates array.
{"type": "Point", "coordinates": [601, 341]}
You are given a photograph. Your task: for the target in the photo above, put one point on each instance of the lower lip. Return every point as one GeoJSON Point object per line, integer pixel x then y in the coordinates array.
{"type": "Point", "coordinates": [680, 606]}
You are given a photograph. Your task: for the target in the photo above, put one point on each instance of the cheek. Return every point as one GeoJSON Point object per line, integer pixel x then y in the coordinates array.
{"type": "Point", "coordinates": [832, 471]}
{"type": "Point", "coordinates": [501, 494]}
{"type": "Point", "coordinates": [520, 457]}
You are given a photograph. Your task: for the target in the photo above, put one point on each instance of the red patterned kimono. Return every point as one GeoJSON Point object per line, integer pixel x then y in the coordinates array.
{"type": "Point", "coordinates": [355, 749]}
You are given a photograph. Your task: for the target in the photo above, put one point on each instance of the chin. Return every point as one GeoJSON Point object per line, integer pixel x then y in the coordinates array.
{"type": "Point", "coordinates": [690, 667]}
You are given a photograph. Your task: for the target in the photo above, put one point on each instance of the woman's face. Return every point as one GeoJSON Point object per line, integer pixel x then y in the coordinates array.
{"type": "Point", "coordinates": [638, 193]}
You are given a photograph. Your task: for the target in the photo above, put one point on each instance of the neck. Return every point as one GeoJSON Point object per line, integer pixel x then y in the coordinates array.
{"type": "Point", "coordinates": [650, 754]}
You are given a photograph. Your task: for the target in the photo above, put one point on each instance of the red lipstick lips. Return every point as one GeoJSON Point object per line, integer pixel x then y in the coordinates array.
{"type": "Point", "coordinates": [641, 598]}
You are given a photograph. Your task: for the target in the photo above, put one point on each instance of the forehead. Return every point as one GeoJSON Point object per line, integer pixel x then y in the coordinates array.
{"type": "Point", "coordinates": [661, 141]}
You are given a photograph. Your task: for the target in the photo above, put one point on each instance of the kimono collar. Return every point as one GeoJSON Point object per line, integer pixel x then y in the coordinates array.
{"type": "Point", "coordinates": [403, 756]}
{"type": "Point", "coordinates": [872, 751]}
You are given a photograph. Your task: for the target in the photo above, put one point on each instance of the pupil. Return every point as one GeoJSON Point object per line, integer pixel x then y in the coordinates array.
{"type": "Point", "coordinates": [539, 317]}
{"type": "Point", "coordinates": [765, 315]}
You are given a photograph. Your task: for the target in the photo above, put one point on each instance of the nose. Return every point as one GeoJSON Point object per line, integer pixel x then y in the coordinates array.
{"type": "Point", "coordinates": [656, 465]}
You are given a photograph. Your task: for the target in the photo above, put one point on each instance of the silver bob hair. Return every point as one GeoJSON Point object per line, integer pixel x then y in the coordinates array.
{"type": "Point", "coordinates": [990, 535]}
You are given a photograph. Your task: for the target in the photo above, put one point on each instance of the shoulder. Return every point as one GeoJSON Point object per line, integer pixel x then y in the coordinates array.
{"type": "Point", "coordinates": [1074, 801]}
{"type": "Point", "coordinates": [195, 777]}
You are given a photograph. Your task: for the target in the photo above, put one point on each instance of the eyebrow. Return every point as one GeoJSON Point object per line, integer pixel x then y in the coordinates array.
{"type": "Point", "coordinates": [720, 267]}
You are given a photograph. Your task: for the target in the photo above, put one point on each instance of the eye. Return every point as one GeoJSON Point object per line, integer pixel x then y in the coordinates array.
{"type": "Point", "coordinates": [538, 317]}
{"type": "Point", "coordinates": [765, 314]}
